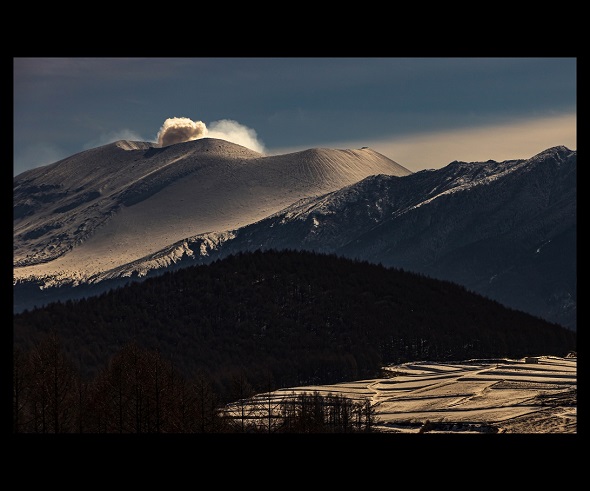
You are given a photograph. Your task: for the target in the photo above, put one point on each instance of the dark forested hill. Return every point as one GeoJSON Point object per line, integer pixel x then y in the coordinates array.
{"type": "Point", "coordinates": [292, 318]}
{"type": "Point", "coordinates": [506, 230]}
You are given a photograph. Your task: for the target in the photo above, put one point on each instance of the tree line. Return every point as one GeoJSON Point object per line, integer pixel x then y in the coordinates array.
{"type": "Point", "coordinates": [139, 391]}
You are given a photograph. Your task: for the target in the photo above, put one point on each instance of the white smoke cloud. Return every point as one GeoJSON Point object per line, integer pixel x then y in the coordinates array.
{"type": "Point", "coordinates": [178, 130]}
{"type": "Point", "coordinates": [232, 131]}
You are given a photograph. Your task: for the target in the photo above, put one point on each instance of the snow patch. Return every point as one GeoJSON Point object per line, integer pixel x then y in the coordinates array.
{"type": "Point", "coordinates": [491, 174]}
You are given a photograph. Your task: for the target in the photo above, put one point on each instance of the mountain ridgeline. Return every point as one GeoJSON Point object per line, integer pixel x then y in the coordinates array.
{"type": "Point", "coordinates": [290, 317]}
{"type": "Point", "coordinates": [129, 211]}
{"type": "Point", "coordinates": [505, 230]}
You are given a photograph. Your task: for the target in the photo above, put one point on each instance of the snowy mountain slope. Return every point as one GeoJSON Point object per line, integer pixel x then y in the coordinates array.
{"type": "Point", "coordinates": [503, 229]}
{"type": "Point", "coordinates": [506, 229]}
{"type": "Point", "coordinates": [106, 207]}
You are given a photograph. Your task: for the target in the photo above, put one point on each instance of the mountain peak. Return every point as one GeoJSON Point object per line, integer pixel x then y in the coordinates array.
{"type": "Point", "coordinates": [559, 150]}
{"type": "Point", "coordinates": [125, 200]}
{"type": "Point", "coordinates": [217, 146]}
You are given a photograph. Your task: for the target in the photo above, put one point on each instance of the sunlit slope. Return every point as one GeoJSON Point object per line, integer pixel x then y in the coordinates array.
{"type": "Point", "coordinates": [115, 204]}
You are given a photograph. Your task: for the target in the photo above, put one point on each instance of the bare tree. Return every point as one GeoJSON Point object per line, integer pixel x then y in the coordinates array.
{"type": "Point", "coordinates": [54, 379]}
{"type": "Point", "coordinates": [21, 387]}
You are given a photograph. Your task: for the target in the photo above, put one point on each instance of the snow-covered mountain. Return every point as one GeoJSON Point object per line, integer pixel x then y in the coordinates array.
{"type": "Point", "coordinates": [95, 212]}
{"type": "Point", "coordinates": [506, 230]}
{"type": "Point", "coordinates": [503, 229]}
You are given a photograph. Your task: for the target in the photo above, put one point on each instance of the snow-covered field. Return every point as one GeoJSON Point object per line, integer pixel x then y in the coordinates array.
{"type": "Point", "coordinates": [534, 395]}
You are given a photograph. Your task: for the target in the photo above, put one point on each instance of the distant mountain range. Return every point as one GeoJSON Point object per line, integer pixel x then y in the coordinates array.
{"type": "Point", "coordinates": [128, 210]}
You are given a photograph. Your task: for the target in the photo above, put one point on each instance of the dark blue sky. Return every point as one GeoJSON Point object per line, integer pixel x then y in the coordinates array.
{"type": "Point", "coordinates": [420, 112]}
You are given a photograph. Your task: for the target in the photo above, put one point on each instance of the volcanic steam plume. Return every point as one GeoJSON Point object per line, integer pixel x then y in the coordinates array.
{"type": "Point", "coordinates": [178, 130]}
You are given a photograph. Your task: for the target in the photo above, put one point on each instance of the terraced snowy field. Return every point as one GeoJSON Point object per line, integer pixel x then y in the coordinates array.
{"type": "Point", "coordinates": [533, 395]}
